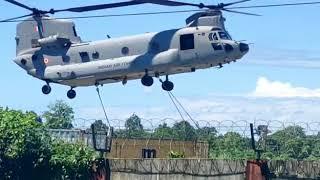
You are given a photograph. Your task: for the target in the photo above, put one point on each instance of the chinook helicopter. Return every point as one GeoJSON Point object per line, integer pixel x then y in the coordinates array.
{"type": "Point", "coordinates": [50, 49]}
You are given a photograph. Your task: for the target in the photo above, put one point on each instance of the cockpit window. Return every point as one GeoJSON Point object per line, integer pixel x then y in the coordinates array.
{"type": "Point", "coordinates": [213, 36]}
{"type": "Point", "coordinates": [224, 35]}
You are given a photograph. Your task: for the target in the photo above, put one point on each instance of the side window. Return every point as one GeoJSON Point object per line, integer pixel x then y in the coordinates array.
{"type": "Point", "coordinates": [95, 55]}
{"type": "Point", "coordinates": [84, 56]}
{"type": "Point", "coordinates": [187, 42]}
{"type": "Point", "coordinates": [216, 46]}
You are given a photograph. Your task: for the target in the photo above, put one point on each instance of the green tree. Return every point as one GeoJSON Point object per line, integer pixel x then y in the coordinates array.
{"type": "Point", "coordinates": [290, 143]}
{"type": "Point", "coordinates": [25, 147]}
{"type": "Point", "coordinates": [134, 128]}
{"type": "Point", "coordinates": [206, 133]}
{"type": "Point", "coordinates": [59, 115]}
{"type": "Point", "coordinates": [27, 151]}
{"type": "Point", "coordinates": [72, 161]}
{"type": "Point", "coordinates": [231, 146]}
{"type": "Point", "coordinates": [184, 131]}
{"type": "Point", "coordinates": [164, 131]}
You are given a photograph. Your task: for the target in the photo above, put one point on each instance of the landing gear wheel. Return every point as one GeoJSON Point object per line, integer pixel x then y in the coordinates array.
{"type": "Point", "coordinates": [167, 85]}
{"type": "Point", "coordinates": [147, 80]}
{"type": "Point", "coordinates": [71, 94]}
{"type": "Point", "coordinates": [46, 89]}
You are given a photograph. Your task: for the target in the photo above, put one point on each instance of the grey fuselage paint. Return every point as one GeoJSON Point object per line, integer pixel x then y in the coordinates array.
{"type": "Point", "coordinates": [61, 57]}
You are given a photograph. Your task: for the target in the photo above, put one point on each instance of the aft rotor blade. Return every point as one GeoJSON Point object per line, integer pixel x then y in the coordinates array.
{"type": "Point", "coordinates": [170, 3]}
{"type": "Point", "coordinates": [98, 7]}
{"type": "Point", "coordinates": [276, 5]}
{"type": "Point", "coordinates": [15, 18]}
{"type": "Point", "coordinates": [239, 12]}
{"type": "Point", "coordinates": [20, 5]}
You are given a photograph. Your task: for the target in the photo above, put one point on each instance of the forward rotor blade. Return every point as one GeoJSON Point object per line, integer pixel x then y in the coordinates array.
{"type": "Point", "coordinates": [239, 12]}
{"type": "Point", "coordinates": [237, 2]}
{"type": "Point", "coordinates": [170, 3]}
{"type": "Point", "coordinates": [20, 5]}
{"type": "Point", "coordinates": [113, 15]}
{"type": "Point", "coordinates": [275, 5]}
{"type": "Point", "coordinates": [98, 7]}
{"type": "Point", "coordinates": [15, 18]}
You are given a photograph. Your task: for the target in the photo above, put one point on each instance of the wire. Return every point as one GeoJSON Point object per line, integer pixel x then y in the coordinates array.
{"type": "Point", "coordinates": [104, 110]}
{"type": "Point", "coordinates": [175, 105]}
{"type": "Point", "coordinates": [195, 122]}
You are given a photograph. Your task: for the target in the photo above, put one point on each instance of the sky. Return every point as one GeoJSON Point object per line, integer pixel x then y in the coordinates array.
{"type": "Point", "coordinates": [276, 81]}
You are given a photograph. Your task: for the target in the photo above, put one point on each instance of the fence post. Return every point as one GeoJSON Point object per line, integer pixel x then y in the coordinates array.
{"type": "Point", "coordinates": [257, 169]}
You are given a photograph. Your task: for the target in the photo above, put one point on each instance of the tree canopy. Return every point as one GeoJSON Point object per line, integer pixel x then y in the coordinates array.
{"type": "Point", "coordinates": [59, 115]}
{"type": "Point", "coordinates": [28, 152]}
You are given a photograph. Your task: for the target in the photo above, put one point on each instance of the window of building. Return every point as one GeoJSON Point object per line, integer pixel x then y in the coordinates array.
{"type": "Point", "coordinates": [84, 56]}
{"type": "Point", "coordinates": [216, 46]}
{"type": "Point", "coordinates": [187, 42]}
{"type": "Point", "coordinates": [149, 153]}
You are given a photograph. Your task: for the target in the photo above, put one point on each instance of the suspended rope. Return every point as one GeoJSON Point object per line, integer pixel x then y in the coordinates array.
{"type": "Point", "coordinates": [175, 105]}
{"type": "Point", "coordinates": [184, 109]}
{"type": "Point", "coordinates": [178, 104]}
{"type": "Point", "coordinates": [102, 105]}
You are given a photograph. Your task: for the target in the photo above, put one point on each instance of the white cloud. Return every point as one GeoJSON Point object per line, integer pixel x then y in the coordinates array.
{"type": "Point", "coordinates": [271, 102]}
{"type": "Point", "coordinates": [277, 89]}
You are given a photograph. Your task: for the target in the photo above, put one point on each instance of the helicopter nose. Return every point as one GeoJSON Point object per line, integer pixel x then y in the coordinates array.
{"type": "Point", "coordinates": [244, 48]}
{"type": "Point", "coordinates": [20, 61]}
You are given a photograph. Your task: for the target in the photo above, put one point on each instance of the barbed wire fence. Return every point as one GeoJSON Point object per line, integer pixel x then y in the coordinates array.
{"type": "Point", "coordinates": [300, 139]}
{"type": "Point", "coordinates": [209, 138]}
{"type": "Point", "coordinates": [222, 126]}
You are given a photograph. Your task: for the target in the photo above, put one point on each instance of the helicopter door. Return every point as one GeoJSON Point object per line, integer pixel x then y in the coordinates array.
{"type": "Point", "coordinates": [187, 47]}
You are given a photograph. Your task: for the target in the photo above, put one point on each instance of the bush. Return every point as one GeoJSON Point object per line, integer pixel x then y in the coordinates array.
{"type": "Point", "coordinates": [176, 155]}
{"type": "Point", "coordinates": [27, 151]}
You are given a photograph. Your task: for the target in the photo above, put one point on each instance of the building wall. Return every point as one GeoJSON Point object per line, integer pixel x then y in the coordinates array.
{"type": "Point", "coordinates": [132, 148]}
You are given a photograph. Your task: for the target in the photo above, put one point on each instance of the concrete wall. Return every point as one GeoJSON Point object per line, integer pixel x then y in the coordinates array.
{"type": "Point", "coordinates": [205, 169]}
{"type": "Point", "coordinates": [296, 169]}
{"type": "Point", "coordinates": [176, 169]}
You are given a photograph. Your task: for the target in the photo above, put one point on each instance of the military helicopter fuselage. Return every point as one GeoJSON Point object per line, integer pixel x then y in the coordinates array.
{"type": "Point", "coordinates": [50, 49]}
{"type": "Point", "coordinates": [61, 57]}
